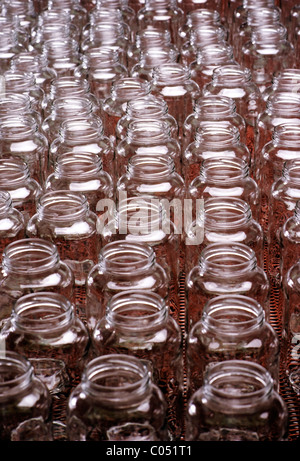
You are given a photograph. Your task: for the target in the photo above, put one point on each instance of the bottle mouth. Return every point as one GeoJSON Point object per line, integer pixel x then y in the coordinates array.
{"type": "Point", "coordinates": [16, 127]}
{"type": "Point", "coordinates": [127, 88]}
{"type": "Point", "coordinates": [214, 54]}
{"type": "Point", "coordinates": [78, 166]}
{"type": "Point", "coordinates": [268, 35]}
{"type": "Point", "coordinates": [16, 372]}
{"type": "Point", "coordinates": [13, 172]}
{"type": "Point", "coordinates": [43, 312]}
{"type": "Point", "coordinates": [153, 131]}
{"type": "Point", "coordinates": [127, 310]}
{"type": "Point", "coordinates": [62, 206]}
{"type": "Point", "coordinates": [119, 379]}
{"type": "Point", "coordinates": [291, 172]}
{"type": "Point", "coordinates": [71, 85]}
{"type": "Point", "coordinates": [287, 134]}
{"type": "Point", "coordinates": [232, 315]}
{"type": "Point", "coordinates": [231, 75]}
{"type": "Point", "coordinates": [220, 170]}
{"type": "Point", "coordinates": [147, 107]}
{"type": "Point", "coordinates": [239, 382]}
{"type": "Point", "coordinates": [151, 168]}
{"type": "Point", "coordinates": [5, 203]}
{"type": "Point", "coordinates": [82, 129]}
{"type": "Point", "coordinates": [213, 105]}
{"type": "Point", "coordinates": [226, 213]}
{"type": "Point", "coordinates": [284, 103]}
{"type": "Point", "coordinates": [217, 134]}
{"type": "Point", "coordinates": [73, 106]}
{"type": "Point", "coordinates": [126, 259]}
{"type": "Point", "coordinates": [228, 259]}
{"type": "Point", "coordinates": [170, 73]}
{"type": "Point", "coordinates": [29, 256]}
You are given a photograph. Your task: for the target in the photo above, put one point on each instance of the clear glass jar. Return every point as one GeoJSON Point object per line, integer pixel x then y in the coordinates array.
{"type": "Point", "coordinates": [17, 104]}
{"type": "Point", "coordinates": [22, 395]}
{"type": "Point", "coordinates": [146, 137]}
{"type": "Point", "coordinates": [81, 172]}
{"type": "Point", "coordinates": [290, 240]}
{"type": "Point", "coordinates": [148, 108]}
{"type": "Point", "coordinates": [208, 58]}
{"type": "Point", "coordinates": [231, 328]}
{"type": "Point", "coordinates": [267, 52]}
{"type": "Point", "coordinates": [115, 6]}
{"type": "Point", "coordinates": [285, 194]}
{"type": "Point", "coordinates": [22, 138]}
{"type": "Point", "coordinates": [62, 55]}
{"type": "Point", "coordinates": [44, 327]}
{"type": "Point", "coordinates": [23, 189]}
{"type": "Point", "coordinates": [32, 61]}
{"type": "Point", "coordinates": [63, 217]}
{"type": "Point", "coordinates": [289, 354]}
{"type": "Point", "coordinates": [12, 222]}
{"type": "Point", "coordinates": [150, 58]}
{"type": "Point", "coordinates": [225, 268]}
{"type": "Point", "coordinates": [223, 220]}
{"type": "Point", "coordinates": [173, 82]}
{"type": "Point", "coordinates": [161, 14]}
{"type": "Point", "coordinates": [76, 12]}
{"type": "Point", "coordinates": [139, 324]}
{"type": "Point", "coordinates": [221, 177]}
{"type": "Point", "coordinates": [120, 390]}
{"type": "Point", "coordinates": [198, 15]}
{"type": "Point", "coordinates": [25, 83]}
{"type": "Point", "coordinates": [212, 109]}
{"type": "Point", "coordinates": [122, 266]}
{"type": "Point", "coordinates": [284, 81]}
{"type": "Point", "coordinates": [32, 265]}
{"type": "Point", "coordinates": [109, 14]}
{"type": "Point", "coordinates": [123, 90]}
{"type": "Point", "coordinates": [145, 220]}
{"type": "Point", "coordinates": [101, 67]}
{"type": "Point", "coordinates": [82, 135]}
{"type": "Point", "coordinates": [237, 402]}
{"type": "Point", "coordinates": [9, 47]}
{"type": "Point", "coordinates": [213, 140]}
{"type": "Point", "coordinates": [49, 30]}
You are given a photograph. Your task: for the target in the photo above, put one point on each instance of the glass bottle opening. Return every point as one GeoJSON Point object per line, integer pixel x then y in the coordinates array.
{"type": "Point", "coordinates": [126, 259]}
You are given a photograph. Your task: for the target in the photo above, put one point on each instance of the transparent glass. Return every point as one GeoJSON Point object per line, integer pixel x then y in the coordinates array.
{"type": "Point", "coordinates": [236, 83]}
{"type": "Point", "coordinates": [64, 218]}
{"type": "Point", "coordinates": [22, 395]}
{"type": "Point", "coordinates": [29, 266]}
{"type": "Point", "coordinates": [212, 109]}
{"type": "Point", "coordinates": [139, 324]}
{"type": "Point", "coordinates": [225, 268]}
{"type": "Point", "coordinates": [290, 240]}
{"type": "Point", "coordinates": [82, 135]}
{"type": "Point", "coordinates": [237, 402]}
{"type": "Point", "coordinates": [147, 138]}
{"type": "Point", "coordinates": [15, 178]}
{"type": "Point", "coordinates": [224, 219]}
{"type": "Point", "coordinates": [120, 390]}
{"type": "Point", "coordinates": [285, 80]}
{"type": "Point", "coordinates": [81, 172]}
{"type": "Point", "coordinates": [62, 55]}
{"type": "Point", "coordinates": [122, 265]}
{"type": "Point", "coordinates": [221, 177]}
{"type": "Point", "coordinates": [9, 46]}
{"type": "Point", "coordinates": [12, 222]}
{"type": "Point", "coordinates": [213, 140]}
{"type": "Point", "coordinates": [25, 83]}
{"type": "Point", "coordinates": [19, 105]}
{"type": "Point", "coordinates": [197, 15]}
{"type": "Point", "coordinates": [151, 58]}
{"type": "Point", "coordinates": [231, 328]}
{"type": "Point", "coordinates": [45, 329]}
{"type": "Point", "coordinates": [148, 108]}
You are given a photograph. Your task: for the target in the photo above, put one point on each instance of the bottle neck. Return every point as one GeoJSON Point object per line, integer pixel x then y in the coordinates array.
{"type": "Point", "coordinates": [170, 74]}
{"type": "Point", "coordinates": [217, 135]}
{"type": "Point", "coordinates": [215, 107]}
{"type": "Point", "coordinates": [78, 166]}
{"type": "Point", "coordinates": [287, 135]}
{"type": "Point", "coordinates": [136, 314]}
{"type": "Point", "coordinates": [286, 80]}
{"type": "Point", "coordinates": [215, 56]}
{"type": "Point", "coordinates": [5, 204]}
{"type": "Point", "coordinates": [129, 88]}
{"type": "Point", "coordinates": [291, 172]}
{"type": "Point", "coordinates": [232, 76]}
{"type": "Point", "coordinates": [227, 260]}
{"type": "Point", "coordinates": [226, 213]}
{"type": "Point", "coordinates": [16, 374]}
{"type": "Point", "coordinates": [219, 170]}
{"type": "Point", "coordinates": [18, 127]}
{"type": "Point", "coordinates": [151, 169]}
{"type": "Point", "coordinates": [117, 380]}
{"type": "Point", "coordinates": [148, 132]}
{"type": "Point", "coordinates": [285, 104]}
{"type": "Point", "coordinates": [62, 208]}
{"type": "Point", "coordinates": [81, 130]}
{"type": "Point", "coordinates": [68, 86]}
{"type": "Point", "coordinates": [43, 314]}
{"type": "Point", "coordinates": [149, 107]}
{"type": "Point", "coordinates": [29, 256]}
{"type": "Point", "coordinates": [268, 36]}
{"type": "Point", "coordinates": [76, 107]}
{"type": "Point", "coordinates": [14, 173]}
{"type": "Point", "coordinates": [232, 317]}
{"type": "Point", "coordinates": [125, 259]}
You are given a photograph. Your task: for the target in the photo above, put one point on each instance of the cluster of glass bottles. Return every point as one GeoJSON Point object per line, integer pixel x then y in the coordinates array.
{"type": "Point", "coordinates": [149, 213]}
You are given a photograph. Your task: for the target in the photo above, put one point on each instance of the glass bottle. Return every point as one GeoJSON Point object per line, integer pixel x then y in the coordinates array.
{"type": "Point", "coordinates": [23, 395]}
{"type": "Point", "coordinates": [285, 194]}
{"type": "Point", "coordinates": [237, 402]}
{"type": "Point", "coordinates": [221, 177]}
{"type": "Point", "coordinates": [9, 47]}
{"type": "Point", "coordinates": [17, 104]}
{"type": "Point", "coordinates": [122, 265]}
{"type": "Point", "coordinates": [147, 220]}
{"type": "Point", "coordinates": [146, 137]}
{"type": "Point", "coordinates": [139, 324]}
{"type": "Point", "coordinates": [120, 390]}
{"type": "Point", "coordinates": [23, 189]}
{"type": "Point", "coordinates": [225, 219]}
{"type": "Point", "coordinates": [49, 30]}
{"type": "Point", "coordinates": [150, 58]}
{"type": "Point", "coordinates": [44, 327]}
{"type": "Point", "coordinates": [213, 140]}
{"type": "Point", "coordinates": [191, 5]}
{"type": "Point", "coordinates": [173, 82]}
{"type": "Point", "coordinates": [290, 239]}
{"type": "Point", "coordinates": [212, 109]}
{"type": "Point", "coordinates": [12, 222]}
{"type": "Point", "coordinates": [236, 83]}
{"type": "Point", "coordinates": [64, 218]}
{"type": "Point", "coordinates": [82, 135]}
{"type": "Point", "coordinates": [123, 90]}
{"type": "Point", "coordinates": [116, 11]}
{"type": "Point", "coordinates": [196, 16]}
{"type": "Point", "coordinates": [29, 266]}
{"type": "Point", "coordinates": [231, 328]}
{"type": "Point", "coordinates": [209, 58]}
{"type": "Point", "coordinates": [81, 172]}
{"type": "Point", "coordinates": [225, 268]}
{"type": "Point", "coordinates": [76, 12]}
{"type": "Point", "coordinates": [161, 14]}
{"type": "Point", "coordinates": [267, 52]}
{"type": "Point", "coordinates": [101, 67]}
{"type": "Point", "coordinates": [62, 55]}
{"type": "Point", "coordinates": [149, 108]}
{"type": "Point", "coordinates": [284, 81]}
